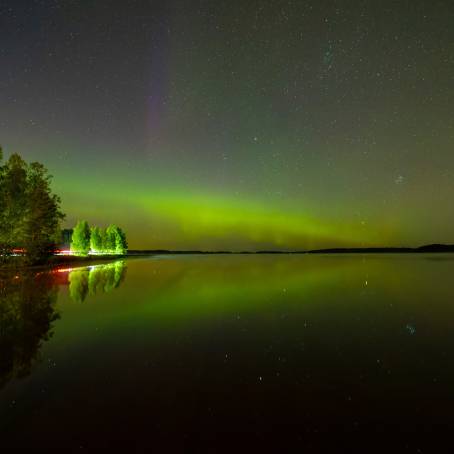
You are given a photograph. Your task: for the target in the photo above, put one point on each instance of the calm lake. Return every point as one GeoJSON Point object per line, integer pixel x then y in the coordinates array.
{"type": "Point", "coordinates": [210, 352]}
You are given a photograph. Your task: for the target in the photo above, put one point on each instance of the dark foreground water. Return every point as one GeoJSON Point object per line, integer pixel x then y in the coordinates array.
{"type": "Point", "coordinates": [246, 353]}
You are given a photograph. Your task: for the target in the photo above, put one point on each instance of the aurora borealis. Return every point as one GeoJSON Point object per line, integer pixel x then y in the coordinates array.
{"type": "Point", "coordinates": [238, 125]}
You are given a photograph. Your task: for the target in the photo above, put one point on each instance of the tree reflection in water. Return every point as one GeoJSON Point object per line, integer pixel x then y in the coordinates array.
{"type": "Point", "coordinates": [95, 279]}
{"type": "Point", "coordinates": [27, 313]}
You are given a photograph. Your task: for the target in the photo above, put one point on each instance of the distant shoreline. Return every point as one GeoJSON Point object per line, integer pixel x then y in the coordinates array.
{"type": "Point", "coordinates": [71, 260]}
{"type": "Point", "coordinates": [365, 250]}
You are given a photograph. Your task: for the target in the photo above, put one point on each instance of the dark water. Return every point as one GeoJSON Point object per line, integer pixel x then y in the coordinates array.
{"type": "Point", "coordinates": [230, 353]}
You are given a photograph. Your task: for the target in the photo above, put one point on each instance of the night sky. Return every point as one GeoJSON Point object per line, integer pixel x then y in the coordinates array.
{"type": "Point", "coordinates": [238, 124]}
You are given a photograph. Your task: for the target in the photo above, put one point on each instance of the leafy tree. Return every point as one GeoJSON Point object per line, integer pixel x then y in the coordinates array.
{"type": "Point", "coordinates": [30, 213]}
{"type": "Point", "coordinates": [80, 242]}
{"type": "Point", "coordinates": [43, 215]}
{"type": "Point", "coordinates": [110, 239]}
{"type": "Point", "coordinates": [13, 203]}
{"type": "Point", "coordinates": [103, 239]}
{"type": "Point", "coordinates": [115, 240]}
{"type": "Point", "coordinates": [121, 245]}
{"type": "Point", "coordinates": [96, 239]}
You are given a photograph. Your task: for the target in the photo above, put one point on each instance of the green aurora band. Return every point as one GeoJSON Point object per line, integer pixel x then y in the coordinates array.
{"type": "Point", "coordinates": [164, 208]}
{"type": "Point", "coordinates": [159, 217]}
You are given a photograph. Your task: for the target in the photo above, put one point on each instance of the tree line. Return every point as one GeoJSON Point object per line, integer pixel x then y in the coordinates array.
{"type": "Point", "coordinates": [31, 217]}
{"type": "Point", "coordinates": [30, 214]}
{"type": "Point", "coordinates": [96, 240]}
